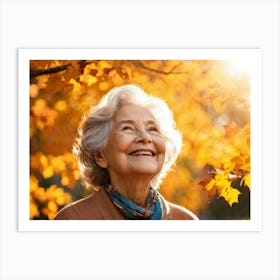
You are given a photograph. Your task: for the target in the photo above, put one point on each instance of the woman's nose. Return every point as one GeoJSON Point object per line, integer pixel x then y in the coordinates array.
{"type": "Point", "coordinates": [143, 136]}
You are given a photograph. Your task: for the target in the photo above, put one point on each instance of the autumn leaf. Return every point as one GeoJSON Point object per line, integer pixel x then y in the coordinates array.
{"type": "Point", "coordinates": [230, 195]}
{"type": "Point", "coordinates": [246, 180]}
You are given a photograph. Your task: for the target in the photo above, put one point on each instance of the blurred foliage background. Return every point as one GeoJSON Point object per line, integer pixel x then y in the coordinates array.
{"type": "Point", "coordinates": [210, 101]}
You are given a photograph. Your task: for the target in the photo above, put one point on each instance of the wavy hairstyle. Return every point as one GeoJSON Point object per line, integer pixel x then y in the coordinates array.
{"type": "Point", "coordinates": [93, 135]}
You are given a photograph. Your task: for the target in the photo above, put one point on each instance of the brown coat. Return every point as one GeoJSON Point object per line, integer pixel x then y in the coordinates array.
{"type": "Point", "coordinates": [99, 206]}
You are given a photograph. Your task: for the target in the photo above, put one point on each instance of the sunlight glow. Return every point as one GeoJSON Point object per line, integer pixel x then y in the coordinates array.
{"type": "Point", "coordinates": [238, 67]}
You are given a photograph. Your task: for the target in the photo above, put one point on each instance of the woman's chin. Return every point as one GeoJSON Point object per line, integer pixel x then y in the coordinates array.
{"type": "Point", "coordinates": [145, 170]}
{"type": "Point", "coordinates": [146, 166]}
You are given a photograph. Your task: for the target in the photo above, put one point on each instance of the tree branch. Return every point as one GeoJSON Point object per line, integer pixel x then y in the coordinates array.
{"type": "Point", "coordinates": [36, 73]}
{"type": "Point", "coordinates": [142, 65]}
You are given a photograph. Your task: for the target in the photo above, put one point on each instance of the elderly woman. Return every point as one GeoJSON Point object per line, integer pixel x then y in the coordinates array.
{"type": "Point", "coordinates": [125, 148]}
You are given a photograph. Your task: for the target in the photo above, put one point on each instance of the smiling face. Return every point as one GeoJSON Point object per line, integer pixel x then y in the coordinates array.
{"type": "Point", "coordinates": [135, 146]}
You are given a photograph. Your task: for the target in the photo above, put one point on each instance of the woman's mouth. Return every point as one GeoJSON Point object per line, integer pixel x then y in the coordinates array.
{"type": "Point", "coordinates": [142, 153]}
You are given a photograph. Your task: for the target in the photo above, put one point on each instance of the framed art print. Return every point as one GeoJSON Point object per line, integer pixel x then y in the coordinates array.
{"type": "Point", "coordinates": [215, 98]}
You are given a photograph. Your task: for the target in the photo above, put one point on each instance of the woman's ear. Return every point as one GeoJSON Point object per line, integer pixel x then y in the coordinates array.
{"type": "Point", "coordinates": [100, 159]}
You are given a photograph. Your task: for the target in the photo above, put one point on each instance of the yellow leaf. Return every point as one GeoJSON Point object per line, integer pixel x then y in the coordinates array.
{"type": "Point", "coordinates": [247, 180]}
{"type": "Point", "coordinates": [210, 185]}
{"type": "Point", "coordinates": [222, 182]}
{"type": "Point", "coordinates": [231, 195]}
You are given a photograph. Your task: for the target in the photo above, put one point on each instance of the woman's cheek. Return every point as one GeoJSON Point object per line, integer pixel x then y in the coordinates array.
{"type": "Point", "coordinates": [161, 144]}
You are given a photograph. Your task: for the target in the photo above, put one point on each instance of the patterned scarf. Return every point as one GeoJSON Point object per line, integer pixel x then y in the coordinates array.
{"type": "Point", "coordinates": [152, 209]}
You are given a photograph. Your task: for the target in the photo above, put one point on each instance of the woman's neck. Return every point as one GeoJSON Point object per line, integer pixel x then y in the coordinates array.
{"type": "Point", "coordinates": [135, 190]}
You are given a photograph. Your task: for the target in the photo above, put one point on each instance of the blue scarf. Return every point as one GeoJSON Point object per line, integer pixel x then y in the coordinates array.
{"type": "Point", "coordinates": [152, 209]}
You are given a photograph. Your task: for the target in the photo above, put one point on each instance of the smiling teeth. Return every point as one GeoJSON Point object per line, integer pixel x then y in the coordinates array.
{"type": "Point", "coordinates": [142, 153]}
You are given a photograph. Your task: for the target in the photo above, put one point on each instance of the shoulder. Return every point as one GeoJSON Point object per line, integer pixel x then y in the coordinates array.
{"type": "Point", "coordinates": [96, 206]}
{"type": "Point", "coordinates": [177, 212]}
{"type": "Point", "coordinates": [75, 210]}
{"type": "Point", "coordinates": [181, 213]}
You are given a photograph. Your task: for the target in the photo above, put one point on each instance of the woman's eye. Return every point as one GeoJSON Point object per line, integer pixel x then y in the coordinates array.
{"type": "Point", "coordinates": [153, 128]}
{"type": "Point", "coordinates": [127, 127]}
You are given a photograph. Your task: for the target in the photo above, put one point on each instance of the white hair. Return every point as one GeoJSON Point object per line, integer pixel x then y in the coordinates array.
{"type": "Point", "coordinates": [96, 129]}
